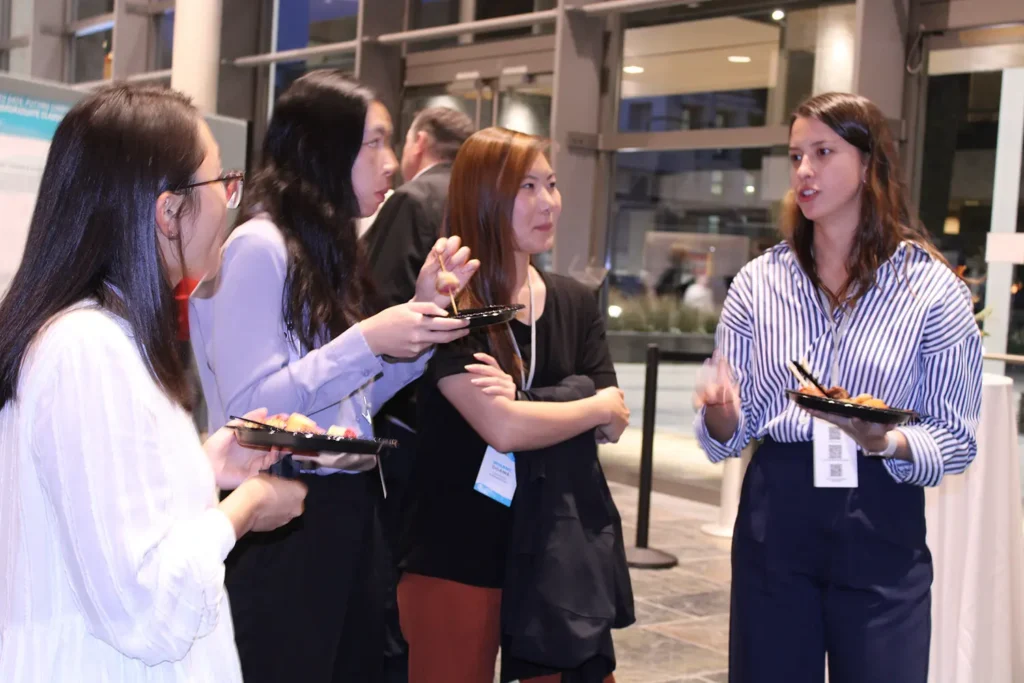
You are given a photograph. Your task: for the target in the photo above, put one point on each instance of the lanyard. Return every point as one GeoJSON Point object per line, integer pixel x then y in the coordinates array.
{"type": "Point", "coordinates": [533, 335]}
{"type": "Point", "coordinates": [837, 334]}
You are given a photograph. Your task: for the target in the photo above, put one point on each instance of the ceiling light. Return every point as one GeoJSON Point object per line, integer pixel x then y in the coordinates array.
{"type": "Point", "coordinates": [614, 311]}
{"type": "Point", "coordinates": [632, 69]}
{"type": "Point", "coordinates": [778, 15]}
{"type": "Point", "coordinates": [750, 189]}
{"type": "Point", "coordinates": [739, 59]}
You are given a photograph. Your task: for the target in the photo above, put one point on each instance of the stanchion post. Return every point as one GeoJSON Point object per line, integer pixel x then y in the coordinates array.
{"type": "Point", "coordinates": [641, 556]}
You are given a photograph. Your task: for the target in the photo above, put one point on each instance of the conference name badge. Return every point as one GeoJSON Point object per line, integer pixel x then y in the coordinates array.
{"type": "Point", "coordinates": [497, 476]}
{"type": "Point", "coordinates": [835, 457]}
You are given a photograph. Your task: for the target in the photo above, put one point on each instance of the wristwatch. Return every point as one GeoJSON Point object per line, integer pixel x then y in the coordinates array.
{"type": "Point", "coordinates": [890, 447]}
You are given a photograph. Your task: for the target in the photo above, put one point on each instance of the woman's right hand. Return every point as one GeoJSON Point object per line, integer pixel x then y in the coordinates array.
{"type": "Point", "coordinates": [264, 503]}
{"type": "Point", "coordinates": [407, 330]}
{"type": "Point", "coordinates": [612, 400]}
{"type": "Point", "coordinates": [719, 394]}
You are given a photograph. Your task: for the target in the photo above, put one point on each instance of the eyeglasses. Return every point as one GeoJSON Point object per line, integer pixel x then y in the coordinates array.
{"type": "Point", "coordinates": [233, 182]}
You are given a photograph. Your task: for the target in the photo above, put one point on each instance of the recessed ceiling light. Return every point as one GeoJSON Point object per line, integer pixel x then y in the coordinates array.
{"type": "Point", "coordinates": [632, 69]}
{"type": "Point", "coordinates": [778, 15]}
{"type": "Point", "coordinates": [739, 59]}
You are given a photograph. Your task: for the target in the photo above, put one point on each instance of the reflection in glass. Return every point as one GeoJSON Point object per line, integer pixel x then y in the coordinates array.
{"type": "Point", "coordinates": [307, 23]}
{"type": "Point", "coordinates": [683, 224]}
{"type": "Point", "coordinates": [957, 173]}
{"type": "Point", "coordinates": [431, 13]}
{"type": "Point", "coordinates": [84, 9]}
{"type": "Point", "coordinates": [164, 40]}
{"type": "Point", "coordinates": [732, 72]}
{"type": "Point", "coordinates": [91, 56]}
{"type": "Point", "coordinates": [526, 107]}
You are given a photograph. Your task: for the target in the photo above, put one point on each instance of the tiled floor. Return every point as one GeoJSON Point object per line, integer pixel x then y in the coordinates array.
{"type": "Point", "coordinates": [682, 629]}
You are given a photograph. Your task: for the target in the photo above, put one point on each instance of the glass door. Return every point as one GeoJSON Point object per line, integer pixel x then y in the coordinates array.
{"type": "Point", "coordinates": [971, 183]}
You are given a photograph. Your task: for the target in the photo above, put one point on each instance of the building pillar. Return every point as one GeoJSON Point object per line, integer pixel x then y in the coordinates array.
{"type": "Point", "coordinates": [579, 53]}
{"type": "Point", "coordinates": [195, 65]}
{"type": "Point", "coordinates": [380, 66]}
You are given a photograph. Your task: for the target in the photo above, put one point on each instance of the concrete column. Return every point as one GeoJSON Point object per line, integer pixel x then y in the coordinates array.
{"type": "Point", "coordinates": [46, 54]}
{"type": "Point", "coordinates": [380, 66]}
{"type": "Point", "coordinates": [195, 65]}
{"type": "Point", "coordinates": [467, 12]}
{"type": "Point", "coordinates": [131, 49]}
{"type": "Point", "coordinates": [836, 48]}
{"type": "Point", "coordinates": [579, 42]}
{"type": "Point", "coordinates": [881, 48]}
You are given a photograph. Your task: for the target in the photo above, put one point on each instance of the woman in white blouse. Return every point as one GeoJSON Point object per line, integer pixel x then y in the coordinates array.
{"type": "Point", "coordinates": [112, 542]}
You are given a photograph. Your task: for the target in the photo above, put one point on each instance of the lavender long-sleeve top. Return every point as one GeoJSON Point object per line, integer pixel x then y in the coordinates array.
{"type": "Point", "coordinates": [247, 360]}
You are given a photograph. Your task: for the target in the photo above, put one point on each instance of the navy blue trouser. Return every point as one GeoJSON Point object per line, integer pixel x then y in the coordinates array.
{"type": "Point", "coordinates": [842, 571]}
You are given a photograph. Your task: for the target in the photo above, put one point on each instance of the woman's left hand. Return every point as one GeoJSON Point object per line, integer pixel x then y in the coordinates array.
{"type": "Point", "coordinates": [491, 378]}
{"type": "Point", "coordinates": [870, 436]}
{"type": "Point", "coordinates": [232, 462]}
{"type": "Point", "coordinates": [434, 284]}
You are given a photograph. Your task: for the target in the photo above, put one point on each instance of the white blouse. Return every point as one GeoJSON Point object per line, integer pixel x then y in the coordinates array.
{"type": "Point", "coordinates": [111, 547]}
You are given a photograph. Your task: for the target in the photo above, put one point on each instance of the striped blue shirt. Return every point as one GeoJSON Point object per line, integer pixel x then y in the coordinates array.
{"type": "Point", "coordinates": [911, 341]}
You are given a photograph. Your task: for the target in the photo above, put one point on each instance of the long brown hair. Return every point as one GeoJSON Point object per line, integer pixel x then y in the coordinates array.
{"type": "Point", "coordinates": [885, 217]}
{"type": "Point", "coordinates": [486, 175]}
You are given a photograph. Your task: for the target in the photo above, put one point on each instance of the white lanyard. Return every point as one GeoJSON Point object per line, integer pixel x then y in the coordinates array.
{"type": "Point", "coordinates": [533, 335]}
{"type": "Point", "coordinates": [837, 334]}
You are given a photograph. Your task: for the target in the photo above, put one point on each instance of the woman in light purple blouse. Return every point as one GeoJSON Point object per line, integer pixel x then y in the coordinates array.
{"type": "Point", "coordinates": [289, 324]}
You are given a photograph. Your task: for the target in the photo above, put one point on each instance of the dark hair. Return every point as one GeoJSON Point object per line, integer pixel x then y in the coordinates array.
{"type": "Point", "coordinates": [485, 181]}
{"type": "Point", "coordinates": [94, 232]}
{"type": "Point", "coordinates": [446, 128]}
{"type": "Point", "coordinates": [885, 217]}
{"type": "Point", "coordinates": [305, 183]}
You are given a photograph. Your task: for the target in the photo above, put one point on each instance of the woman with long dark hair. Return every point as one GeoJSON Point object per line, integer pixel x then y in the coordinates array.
{"type": "Point", "coordinates": [829, 553]}
{"type": "Point", "coordinates": [474, 414]}
{"type": "Point", "coordinates": [290, 323]}
{"type": "Point", "coordinates": [112, 543]}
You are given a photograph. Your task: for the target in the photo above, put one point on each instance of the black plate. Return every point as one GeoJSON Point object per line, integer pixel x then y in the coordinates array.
{"type": "Point", "coordinates": [490, 315]}
{"type": "Point", "coordinates": [889, 416]}
{"type": "Point", "coordinates": [308, 443]}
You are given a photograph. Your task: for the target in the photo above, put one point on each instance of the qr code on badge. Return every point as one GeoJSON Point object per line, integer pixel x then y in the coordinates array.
{"type": "Point", "coordinates": [835, 471]}
{"type": "Point", "coordinates": [835, 452]}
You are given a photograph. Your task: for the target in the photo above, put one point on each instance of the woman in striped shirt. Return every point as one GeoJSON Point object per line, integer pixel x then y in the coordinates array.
{"type": "Point", "coordinates": [857, 289]}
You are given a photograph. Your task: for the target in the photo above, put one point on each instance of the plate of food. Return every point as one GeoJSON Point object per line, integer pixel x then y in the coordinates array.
{"type": "Point", "coordinates": [299, 434]}
{"type": "Point", "coordinates": [489, 315]}
{"type": "Point", "coordinates": [837, 401]}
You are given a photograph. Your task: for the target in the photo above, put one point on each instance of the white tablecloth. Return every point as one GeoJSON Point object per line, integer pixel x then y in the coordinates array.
{"type": "Point", "coordinates": [974, 532]}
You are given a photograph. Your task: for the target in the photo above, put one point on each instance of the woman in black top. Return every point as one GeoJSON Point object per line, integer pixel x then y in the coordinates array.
{"type": "Point", "coordinates": [504, 204]}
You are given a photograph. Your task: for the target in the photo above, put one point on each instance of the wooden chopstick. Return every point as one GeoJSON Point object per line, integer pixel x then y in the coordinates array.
{"type": "Point", "coordinates": [451, 296]}
{"type": "Point", "coordinates": [800, 379]}
{"type": "Point", "coordinates": [802, 367]}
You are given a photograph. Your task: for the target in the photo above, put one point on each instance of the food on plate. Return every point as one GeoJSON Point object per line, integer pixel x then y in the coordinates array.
{"type": "Point", "coordinates": [343, 432]}
{"type": "Point", "coordinates": [277, 421]}
{"type": "Point", "coordinates": [840, 394]}
{"type": "Point", "coordinates": [297, 422]}
{"type": "Point", "coordinates": [869, 401]}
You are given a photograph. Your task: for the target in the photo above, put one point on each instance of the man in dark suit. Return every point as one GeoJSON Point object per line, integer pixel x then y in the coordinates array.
{"type": "Point", "coordinates": [409, 222]}
{"type": "Point", "coordinates": [402, 234]}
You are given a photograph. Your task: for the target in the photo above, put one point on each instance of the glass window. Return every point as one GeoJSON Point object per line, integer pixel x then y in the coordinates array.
{"type": "Point", "coordinates": [92, 57]}
{"type": "Point", "coordinates": [683, 224]}
{"type": "Point", "coordinates": [731, 72]}
{"type": "Point", "coordinates": [306, 23]}
{"type": "Point", "coordinates": [164, 41]}
{"type": "Point", "coordinates": [958, 167]}
{"type": "Point", "coordinates": [526, 107]}
{"type": "Point", "coordinates": [430, 13]}
{"type": "Point", "coordinates": [85, 9]}
{"type": "Point", "coordinates": [467, 100]}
